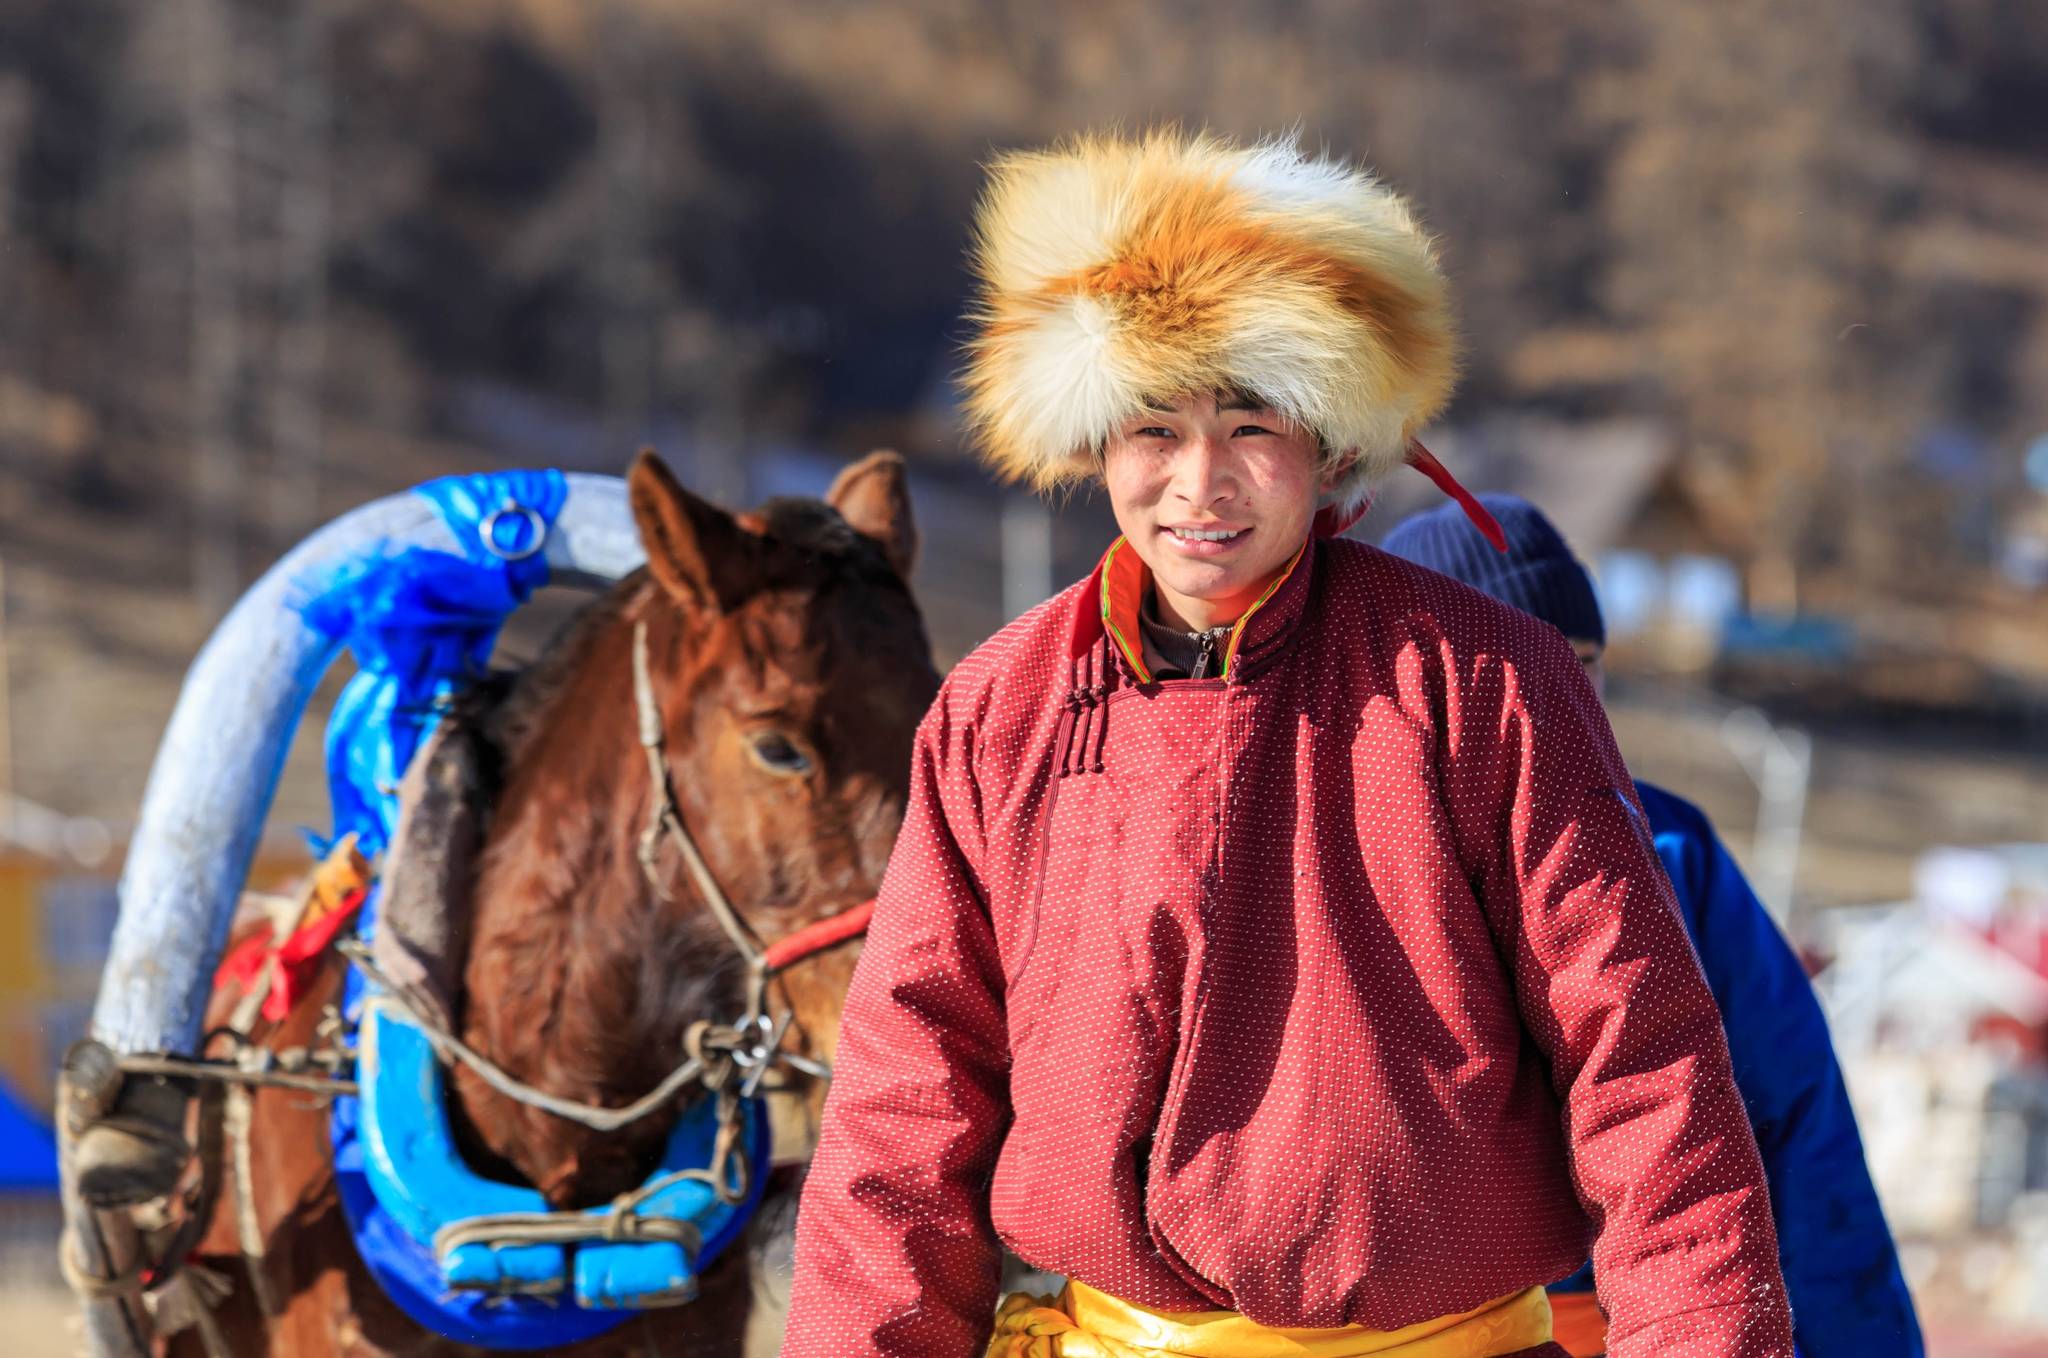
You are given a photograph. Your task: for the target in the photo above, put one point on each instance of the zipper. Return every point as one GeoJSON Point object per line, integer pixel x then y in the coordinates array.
{"type": "Point", "coordinates": [1203, 658]}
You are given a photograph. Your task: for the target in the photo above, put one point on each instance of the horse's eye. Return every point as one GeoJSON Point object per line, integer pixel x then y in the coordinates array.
{"type": "Point", "coordinates": [778, 755]}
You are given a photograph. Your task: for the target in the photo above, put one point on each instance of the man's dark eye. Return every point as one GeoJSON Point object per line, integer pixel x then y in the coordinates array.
{"type": "Point", "coordinates": [778, 754]}
{"type": "Point", "coordinates": [1251, 429]}
{"type": "Point", "coordinates": [1153, 431]}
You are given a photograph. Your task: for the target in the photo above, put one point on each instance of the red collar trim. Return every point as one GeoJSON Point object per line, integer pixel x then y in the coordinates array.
{"type": "Point", "coordinates": [1121, 597]}
{"type": "Point", "coordinates": [1272, 588]}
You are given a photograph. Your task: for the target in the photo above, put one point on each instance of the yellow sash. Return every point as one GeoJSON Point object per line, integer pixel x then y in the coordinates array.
{"type": "Point", "coordinates": [1085, 1323]}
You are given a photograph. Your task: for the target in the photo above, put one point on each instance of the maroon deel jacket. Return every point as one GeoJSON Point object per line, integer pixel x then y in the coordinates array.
{"type": "Point", "coordinates": [1343, 989]}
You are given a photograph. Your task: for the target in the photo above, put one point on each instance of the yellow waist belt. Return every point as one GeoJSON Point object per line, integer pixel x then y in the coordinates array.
{"type": "Point", "coordinates": [1085, 1323]}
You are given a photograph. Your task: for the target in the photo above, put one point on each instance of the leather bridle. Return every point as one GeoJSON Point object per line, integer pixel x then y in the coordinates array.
{"type": "Point", "coordinates": [665, 821]}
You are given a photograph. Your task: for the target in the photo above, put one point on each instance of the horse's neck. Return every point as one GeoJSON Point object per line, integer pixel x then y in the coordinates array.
{"type": "Point", "coordinates": [578, 980]}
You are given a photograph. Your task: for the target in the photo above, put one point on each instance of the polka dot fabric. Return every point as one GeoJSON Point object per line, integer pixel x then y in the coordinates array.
{"type": "Point", "coordinates": [1347, 990]}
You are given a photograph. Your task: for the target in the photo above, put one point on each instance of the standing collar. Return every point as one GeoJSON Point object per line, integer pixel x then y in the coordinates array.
{"type": "Point", "coordinates": [1119, 594]}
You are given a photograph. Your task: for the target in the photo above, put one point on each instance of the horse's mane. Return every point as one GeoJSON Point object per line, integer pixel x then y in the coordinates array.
{"type": "Point", "coordinates": [509, 707]}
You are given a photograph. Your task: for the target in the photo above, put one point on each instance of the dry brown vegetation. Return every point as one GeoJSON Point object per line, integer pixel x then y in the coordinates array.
{"type": "Point", "coordinates": [1801, 237]}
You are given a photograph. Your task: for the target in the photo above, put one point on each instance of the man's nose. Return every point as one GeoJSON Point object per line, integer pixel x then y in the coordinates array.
{"type": "Point", "coordinates": [1201, 474]}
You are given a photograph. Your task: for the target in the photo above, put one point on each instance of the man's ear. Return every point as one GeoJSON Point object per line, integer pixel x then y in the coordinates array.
{"type": "Point", "coordinates": [1335, 470]}
{"type": "Point", "coordinates": [873, 495]}
{"type": "Point", "coordinates": [700, 555]}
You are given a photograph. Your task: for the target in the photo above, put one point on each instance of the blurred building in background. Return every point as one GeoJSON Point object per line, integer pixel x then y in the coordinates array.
{"type": "Point", "coordinates": [1940, 1010]}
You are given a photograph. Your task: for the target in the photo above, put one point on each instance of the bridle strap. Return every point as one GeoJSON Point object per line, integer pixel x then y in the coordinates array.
{"type": "Point", "coordinates": [813, 939]}
{"type": "Point", "coordinates": [666, 818]}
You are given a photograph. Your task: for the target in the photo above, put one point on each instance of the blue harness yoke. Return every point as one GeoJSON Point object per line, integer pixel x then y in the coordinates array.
{"type": "Point", "coordinates": [403, 1182]}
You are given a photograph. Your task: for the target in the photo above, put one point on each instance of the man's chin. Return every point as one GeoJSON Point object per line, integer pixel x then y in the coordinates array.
{"type": "Point", "coordinates": [1209, 586]}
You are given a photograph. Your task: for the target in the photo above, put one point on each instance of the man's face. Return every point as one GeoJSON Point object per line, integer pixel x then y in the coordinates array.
{"type": "Point", "coordinates": [1215, 493]}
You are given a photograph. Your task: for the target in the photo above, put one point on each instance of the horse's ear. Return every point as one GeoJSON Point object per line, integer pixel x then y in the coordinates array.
{"type": "Point", "coordinates": [701, 555]}
{"type": "Point", "coordinates": [873, 495]}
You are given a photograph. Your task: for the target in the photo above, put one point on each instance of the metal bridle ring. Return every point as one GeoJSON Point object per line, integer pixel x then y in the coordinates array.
{"type": "Point", "coordinates": [488, 531]}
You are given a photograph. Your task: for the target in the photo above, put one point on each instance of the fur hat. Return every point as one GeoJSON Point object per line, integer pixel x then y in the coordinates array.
{"type": "Point", "coordinates": [1116, 270]}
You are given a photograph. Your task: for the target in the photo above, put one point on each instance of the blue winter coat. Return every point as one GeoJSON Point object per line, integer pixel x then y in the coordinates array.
{"type": "Point", "coordinates": [1849, 1299]}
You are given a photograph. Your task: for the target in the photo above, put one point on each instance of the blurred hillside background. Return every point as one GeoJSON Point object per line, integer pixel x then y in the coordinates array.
{"type": "Point", "coordinates": [1756, 300]}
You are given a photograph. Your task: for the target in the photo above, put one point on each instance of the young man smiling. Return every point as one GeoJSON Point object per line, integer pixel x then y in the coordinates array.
{"type": "Point", "coordinates": [1272, 945]}
{"type": "Point", "coordinates": [1215, 493]}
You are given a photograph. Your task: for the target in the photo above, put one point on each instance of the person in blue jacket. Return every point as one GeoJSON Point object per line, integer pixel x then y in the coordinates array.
{"type": "Point", "coordinates": [1849, 1298]}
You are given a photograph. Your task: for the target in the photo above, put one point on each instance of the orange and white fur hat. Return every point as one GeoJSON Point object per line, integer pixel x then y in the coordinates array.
{"type": "Point", "coordinates": [1117, 271]}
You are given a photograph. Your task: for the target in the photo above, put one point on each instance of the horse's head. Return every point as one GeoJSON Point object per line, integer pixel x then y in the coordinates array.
{"type": "Point", "coordinates": [787, 668]}
{"type": "Point", "coordinates": [790, 668]}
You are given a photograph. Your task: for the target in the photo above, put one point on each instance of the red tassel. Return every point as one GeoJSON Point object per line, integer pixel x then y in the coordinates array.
{"type": "Point", "coordinates": [1425, 462]}
{"type": "Point", "coordinates": [1331, 521]}
{"type": "Point", "coordinates": [299, 958]}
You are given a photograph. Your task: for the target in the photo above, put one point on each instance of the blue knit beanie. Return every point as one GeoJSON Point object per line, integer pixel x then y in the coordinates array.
{"type": "Point", "coordinates": [1537, 573]}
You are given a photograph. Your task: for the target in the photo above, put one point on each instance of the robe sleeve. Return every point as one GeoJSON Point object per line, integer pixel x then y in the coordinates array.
{"type": "Point", "coordinates": [1610, 990]}
{"type": "Point", "coordinates": [895, 1253]}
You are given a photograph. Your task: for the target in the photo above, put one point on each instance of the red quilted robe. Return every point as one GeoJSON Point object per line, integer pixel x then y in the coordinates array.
{"type": "Point", "coordinates": [1342, 989]}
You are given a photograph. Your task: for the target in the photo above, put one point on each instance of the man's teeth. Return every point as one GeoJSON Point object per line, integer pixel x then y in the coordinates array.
{"type": "Point", "coordinates": [1200, 535]}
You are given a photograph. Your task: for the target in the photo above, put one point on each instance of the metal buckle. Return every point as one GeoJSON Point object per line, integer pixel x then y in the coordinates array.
{"type": "Point", "coordinates": [759, 1058]}
{"type": "Point", "coordinates": [488, 531]}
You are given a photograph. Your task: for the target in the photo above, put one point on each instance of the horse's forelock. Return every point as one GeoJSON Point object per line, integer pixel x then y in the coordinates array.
{"type": "Point", "coordinates": [824, 542]}
{"type": "Point", "coordinates": [809, 525]}
{"type": "Point", "coordinates": [827, 559]}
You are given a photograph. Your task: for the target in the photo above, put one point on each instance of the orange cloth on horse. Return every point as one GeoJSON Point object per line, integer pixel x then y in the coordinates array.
{"type": "Point", "coordinates": [1085, 1323]}
{"type": "Point", "coordinates": [1577, 1324]}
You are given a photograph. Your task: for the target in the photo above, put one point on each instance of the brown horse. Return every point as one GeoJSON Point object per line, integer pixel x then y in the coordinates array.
{"type": "Point", "coordinates": [790, 667]}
